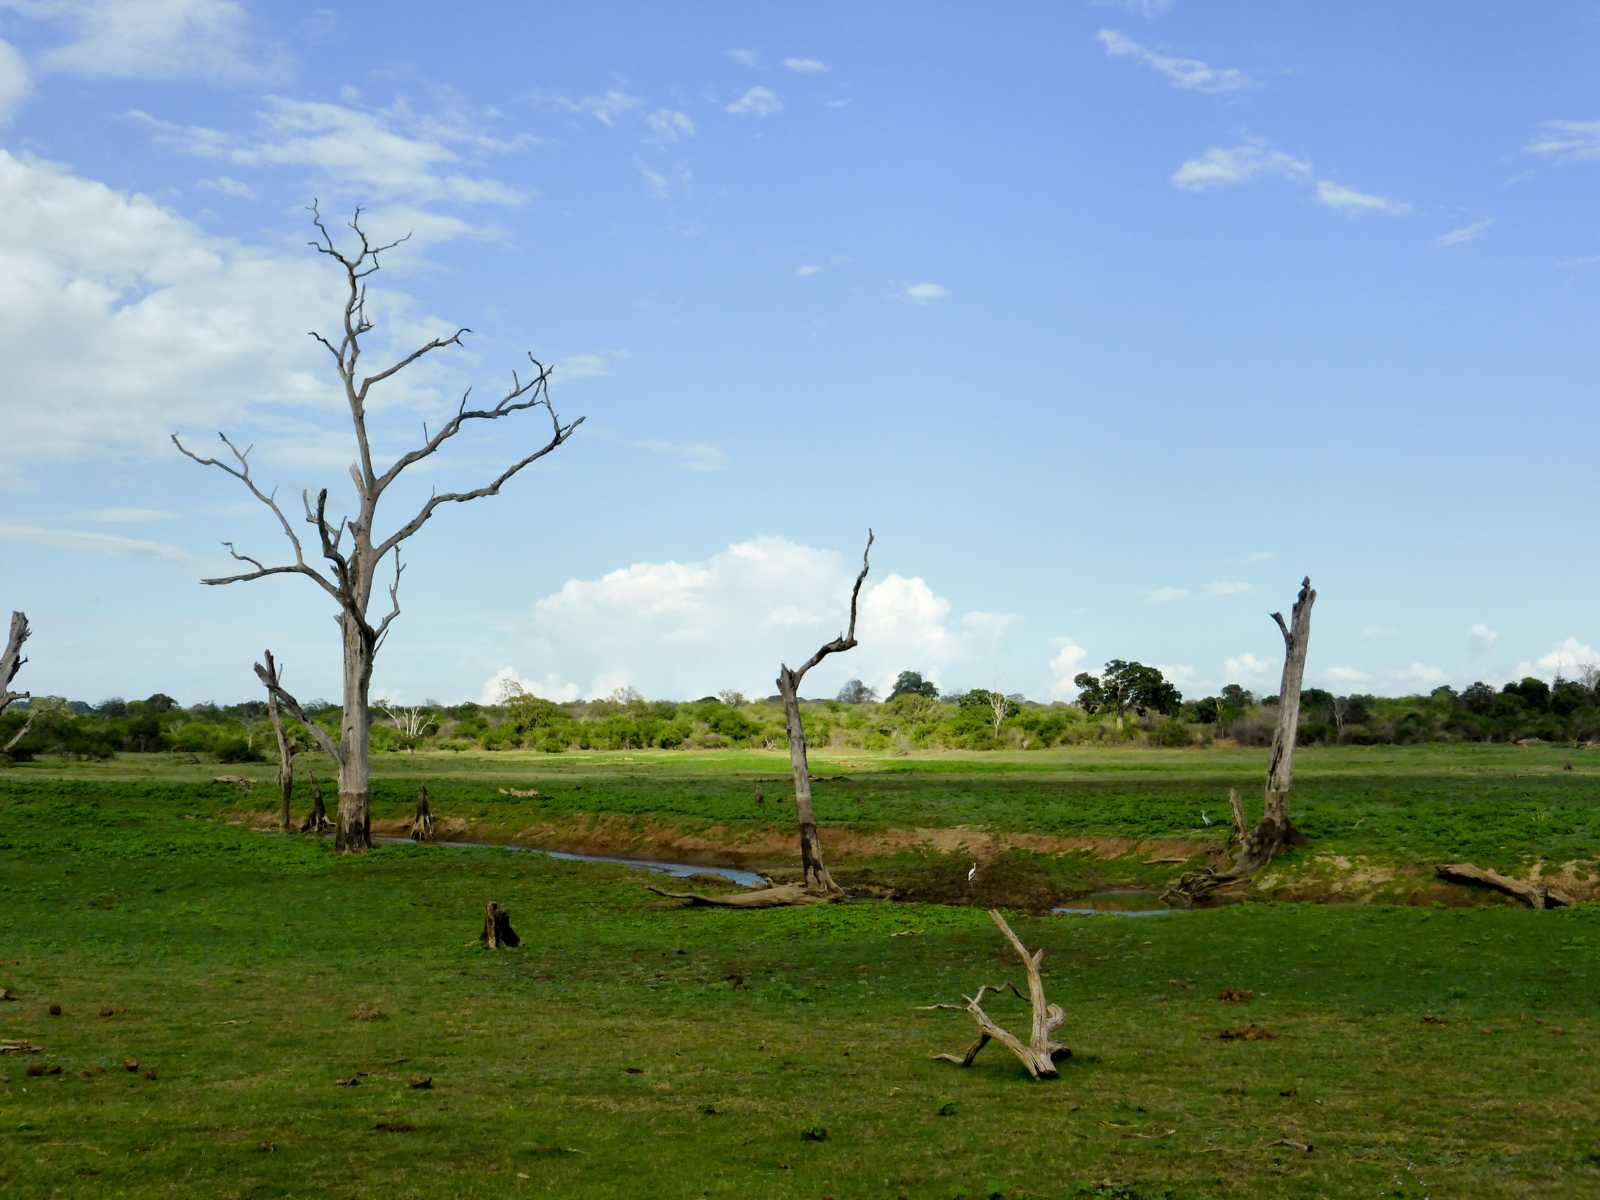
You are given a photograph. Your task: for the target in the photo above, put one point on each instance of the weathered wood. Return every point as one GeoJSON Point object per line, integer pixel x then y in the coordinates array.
{"type": "Point", "coordinates": [1534, 894]}
{"type": "Point", "coordinates": [317, 820]}
{"type": "Point", "coordinates": [1040, 1052]}
{"type": "Point", "coordinates": [1259, 846]}
{"type": "Point", "coordinates": [285, 752]}
{"type": "Point", "coordinates": [813, 869]}
{"type": "Point", "coordinates": [782, 896]}
{"type": "Point", "coordinates": [351, 553]}
{"type": "Point", "coordinates": [422, 821]}
{"type": "Point", "coordinates": [11, 659]}
{"type": "Point", "coordinates": [497, 931]}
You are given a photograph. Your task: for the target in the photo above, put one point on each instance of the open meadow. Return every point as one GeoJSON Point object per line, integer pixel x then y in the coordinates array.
{"type": "Point", "coordinates": [241, 1012]}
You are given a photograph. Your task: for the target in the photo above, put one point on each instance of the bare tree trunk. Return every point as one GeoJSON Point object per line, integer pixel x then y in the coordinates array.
{"type": "Point", "coordinates": [422, 821]}
{"type": "Point", "coordinates": [354, 830]}
{"type": "Point", "coordinates": [317, 820]}
{"type": "Point", "coordinates": [285, 754]}
{"type": "Point", "coordinates": [814, 871]}
{"type": "Point", "coordinates": [11, 660]}
{"type": "Point", "coordinates": [497, 929]}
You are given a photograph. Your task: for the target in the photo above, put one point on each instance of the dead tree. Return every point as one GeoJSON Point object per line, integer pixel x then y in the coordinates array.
{"type": "Point", "coordinates": [1040, 1053]}
{"type": "Point", "coordinates": [998, 703]}
{"type": "Point", "coordinates": [285, 750]}
{"type": "Point", "coordinates": [410, 723]}
{"type": "Point", "coordinates": [10, 663]}
{"type": "Point", "coordinates": [816, 879]}
{"type": "Point", "coordinates": [497, 929]}
{"type": "Point", "coordinates": [1259, 846]}
{"type": "Point", "coordinates": [422, 821]}
{"type": "Point", "coordinates": [351, 548]}
{"type": "Point", "coordinates": [317, 819]}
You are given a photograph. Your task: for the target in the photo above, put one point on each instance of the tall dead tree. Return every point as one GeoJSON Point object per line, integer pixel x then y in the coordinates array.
{"type": "Point", "coordinates": [817, 881]}
{"type": "Point", "coordinates": [285, 750]}
{"type": "Point", "coordinates": [351, 547]}
{"type": "Point", "coordinates": [1257, 847]}
{"type": "Point", "coordinates": [11, 661]}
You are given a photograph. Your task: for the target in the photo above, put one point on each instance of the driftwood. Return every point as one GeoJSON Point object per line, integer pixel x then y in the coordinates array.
{"type": "Point", "coordinates": [1255, 848]}
{"type": "Point", "coordinates": [772, 897]}
{"type": "Point", "coordinates": [497, 929]}
{"type": "Point", "coordinates": [1534, 895]}
{"type": "Point", "coordinates": [1040, 1053]}
{"type": "Point", "coordinates": [317, 820]}
{"type": "Point", "coordinates": [817, 880]}
{"type": "Point", "coordinates": [422, 822]}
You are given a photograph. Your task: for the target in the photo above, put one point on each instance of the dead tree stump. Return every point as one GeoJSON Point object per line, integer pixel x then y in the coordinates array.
{"type": "Point", "coordinates": [317, 821]}
{"type": "Point", "coordinates": [1039, 1054]}
{"type": "Point", "coordinates": [497, 929]}
{"type": "Point", "coordinates": [422, 822]}
{"type": "Point", "coordinates": [1534, 895]}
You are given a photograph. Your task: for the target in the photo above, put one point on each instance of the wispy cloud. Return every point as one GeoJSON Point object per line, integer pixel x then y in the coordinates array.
{"type": "Point", "coordinates": [92, 543]}
{"type": "Point", "coordinates": [586, 366]}
{"type": "Point", "coordinates": [1583, 260]}
{"type": "Point", "coordinates": [157, 39]}
{"type": "Point", "coordinates": [756, 102]}
{"type": "Point", "coordinates": [1226, 587]}
{"type": "Point", "coordinates": [807, 270]}
{"type": "Point", "coordinates": [1187, 74]}
{"type": "Point", "coordinates": [1467, 233]}
{"type": "Point", "coordinates": [806, 66]}
{"type": "Point", "coordinates": [1246, 666]}
{"type": "Point", "coordinates": [228, 186]}
{"type": "Point", "coordinates": [744, 56]}
{"type": "Point", "coordinates": [1224, 166]}
{"type": "Point", "coordinates": [925, 293]}
{"type": "Point", "coordinates": [15, 81]}
{"type": "Point", "coordinates": [1348, 676]}
{"type": "Point", "coordinates": [124, 516]}
{"type": "Point", "coordinates": [1348, 200]}
{"type": "Point", "coordinates": [1482, 638]}
{"type": "Point", "coordinates": [1261, 556]}
{"type": "Point", "coordinates": [690, 456]}
{"type": "Point", "coordinates": [1165, 595]}
{"type": "Point", "coordinates": [669, 125]}
{"type": "Point", "coordinates": [1148, 9]}
{"type": "Point", "coordinates": [1567, 141]}
{"type": "Point", "coordinates": [608, 107]}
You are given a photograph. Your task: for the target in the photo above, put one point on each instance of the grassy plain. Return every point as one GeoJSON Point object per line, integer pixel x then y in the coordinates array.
{"type": "Point", "coordinates": [631, 1049]}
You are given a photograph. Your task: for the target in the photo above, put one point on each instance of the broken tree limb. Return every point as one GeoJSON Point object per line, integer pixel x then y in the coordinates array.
{"type": "Point", "coordinates": [781, 896]}
{"type": "Point", "coordinates": [1259, 846]}
{"type": "Point", "coordinates": [273, 679]}
{"type": "Point", "coordinates": [1040, 1053]}
{"type": "Point", "coordinates": [422, 822]}
{"type": "Point", "coordinates": [497, 929]}
{"type": "Point", "coordinates": [1533, 894]}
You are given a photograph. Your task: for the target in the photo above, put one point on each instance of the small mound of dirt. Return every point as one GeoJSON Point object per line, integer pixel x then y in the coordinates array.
{"type": "Point", "coordinates": [1236, 995]}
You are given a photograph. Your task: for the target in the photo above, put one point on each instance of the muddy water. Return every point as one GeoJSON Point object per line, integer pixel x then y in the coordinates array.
{"type": "Point", "coordinates": [1121, 902]}
{"type": "Point", "coordinates": [680, 870]}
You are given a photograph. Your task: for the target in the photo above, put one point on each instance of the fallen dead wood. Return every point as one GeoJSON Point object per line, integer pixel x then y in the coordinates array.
{"type": "Point", "coordinates": [1534, 895]}
{"type": "Point", "coordinates": [497, 929]}
{"type": "Point", "coordinates": [1039, 1054]}
{"type": "Point", "coordinates": [238, 781]}
{"type": "Point", "coordinates": [781, 896]}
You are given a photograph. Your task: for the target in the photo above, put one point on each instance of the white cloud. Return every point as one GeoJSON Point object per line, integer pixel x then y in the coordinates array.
{"type": "Point", "coordinates": [1346, 676]}
{"type": "Point", "coordinates": [688, 629]}
{"type": "Point", "coordinates": [1482, 638]}
{"type": "Point", "coordinates": [1467, 233]}
{"type": "Point", "coordinates": [757, 102]}
{"type": "Point", "coordinates": [607, 108]}
{"type": "Point", "coordinates": [124, 516]}
{"type": "Point", "coordinates": [551, 687]}
{"type": "Point", "coordinates": [670, 125]}
{"type": "Point", "coordinates": [387, 153]}
{"type": "Point", "coordinates": [1348, 200]}
{"type": "Point", "coordinates": [229, 186]}
{"type": "Point", "coordinates": [1165, 595]}
{"type": "Point", "coordinates": [1417, 674]}
{"type": "Point", "coordinates": [1148, 9]}
{"type": "Point", "coordinates": [1225, 166]}
{"type": "Point", "coordinates": [925, 293]}
{"type": "Point", "coordinates": [155, 39]}
{"type": "Point", "coordinates": [1567, 141]}
{"type": "Point", "coordinates": [745, 57]}
{"type": "Point", "coordinates": [806, 66]}
{"type": "Point", "coordinates": [807, 270]}
{"type": "Point", "coordinates": [1246, 666]}
{"type": "Point", "coordinates": [91, 543]}
{"type": "Point", "coordinates": [14, 81]}
{"type": "Point", "coordinates": [586, 366]}
{"type": "Point", "coordinates": [691, 456]}
{"type": "Point", "coordinates": [1567, 660]}
{"type": "Point", "coordinates": [1187, 74]}
{"type": "Point", "coordinates": [1180, 675]}
{"type": "Point", "coordinates": [1226, 587]}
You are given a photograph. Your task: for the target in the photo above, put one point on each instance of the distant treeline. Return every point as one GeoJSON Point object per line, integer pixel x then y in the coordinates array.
{"type": "Point", "coordinates": [914, 717]}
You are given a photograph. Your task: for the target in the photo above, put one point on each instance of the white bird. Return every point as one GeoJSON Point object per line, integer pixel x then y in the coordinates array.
{"type": "Point", "coordinates": [1204, 818]}
{"type": "Point", "coordinates": [972, 872]}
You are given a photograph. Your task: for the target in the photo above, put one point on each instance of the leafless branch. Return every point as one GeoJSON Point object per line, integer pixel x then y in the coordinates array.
{"type": "Point", "coordinates": [847, 640]}
{"type": "Point", "coordinates": [394, 602]}
{"type": "Point", "coordinates": [272, 681]}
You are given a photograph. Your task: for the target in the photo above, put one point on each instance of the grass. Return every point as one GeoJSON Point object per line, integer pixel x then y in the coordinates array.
{"type": "Point", "coordinates": [629, 1049]}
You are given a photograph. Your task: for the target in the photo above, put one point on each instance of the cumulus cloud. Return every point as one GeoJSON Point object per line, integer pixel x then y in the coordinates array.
{"type": "Point", "coordinates": [925, 293]}
{"type": "Point", "coordinates": [1225, 166]}
{"type": "Point", "coordinates": [1482, 638]}
{"type": "Point", "coordinates": [1246, 666]}
{"type": "Point", "coordinates": [550, 687]}
{"type": "Point", "coordinates": [691, 628]}
{"type": "Point", "coordinates": [14, 81]}
{"type": "Point", "coordinates": [756, 102]}
{"type": "Point", "coordinates": [1567, 660]}
{"type": "Point", "coordinates": [1187, 74]}
{"type": "Point", "coordinates": [155, 39]}
{"type": "Point", "coordinates": [690, 456]}
{"type": "Point", "coordinates": [806, 66]}
{"type": "Point", "coordinates": [1348, 200]}
{"type": "Point", "coordinates": [1417, 674]}
{"type": "Point", "coordinates": [1463, 235]}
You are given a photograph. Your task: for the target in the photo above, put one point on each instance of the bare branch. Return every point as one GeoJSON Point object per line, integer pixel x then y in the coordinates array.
{"type": "Point", "coordinates": [394, 602]}
{"type": "Point", "coordinates": [846, 641]}
{"type": "Point", "coordinates": [437, 344]}
{"type": "Point", "coordinates": [272, 681]}
{"type": "Point", "coordinates": [242, 474]}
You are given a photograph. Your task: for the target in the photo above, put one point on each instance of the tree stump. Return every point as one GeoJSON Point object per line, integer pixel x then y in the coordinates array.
{"type": "Point", "coordinates": [317, 821]}
{"type": "Point", "coordinates": [422, 822]}
{"type": "Point", "coordinates": [1039, 1053]}
{"type": "Point", "coordinates": [497, 929]}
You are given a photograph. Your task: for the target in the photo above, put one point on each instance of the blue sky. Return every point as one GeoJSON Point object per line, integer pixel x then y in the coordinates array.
{"type": "Point", "coordinates": [1112, 319]}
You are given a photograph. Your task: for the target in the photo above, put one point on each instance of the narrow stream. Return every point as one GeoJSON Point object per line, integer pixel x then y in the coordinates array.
{"type": "Point", "coordinates": [1117, 902]}
{"type": "Point", "coordinates": [679, 870]}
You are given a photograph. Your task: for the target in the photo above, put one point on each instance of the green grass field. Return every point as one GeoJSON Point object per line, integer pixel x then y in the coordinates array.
{"type": "Point", "coordinates": [631, 1048]}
